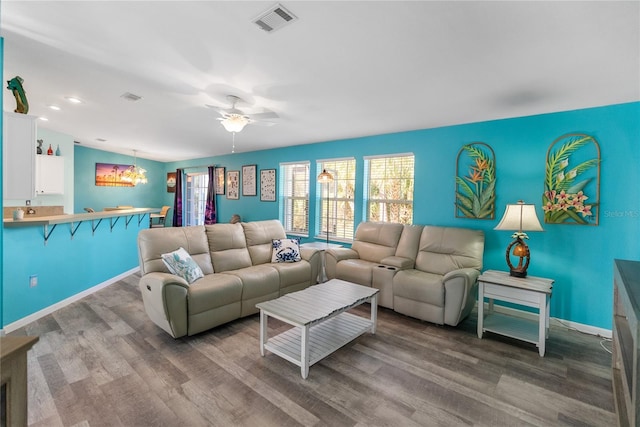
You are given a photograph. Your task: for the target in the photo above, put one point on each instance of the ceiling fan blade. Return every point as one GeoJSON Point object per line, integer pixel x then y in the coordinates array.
{"type": "Point", "coordinates": [264, 115]}
{"type": "Point", "coordinates": [261, 123]}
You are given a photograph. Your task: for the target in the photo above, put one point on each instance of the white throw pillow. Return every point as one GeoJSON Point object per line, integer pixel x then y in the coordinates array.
{"type": "Point", "coordinates": [285, 250]}
{"type": "Point", "coordinates": [181, 264]}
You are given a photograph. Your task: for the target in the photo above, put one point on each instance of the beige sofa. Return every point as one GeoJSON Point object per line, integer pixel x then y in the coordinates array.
{"type": "Point", "coordinates": [238, 274]}
{"type": "Point", "coordinates": [426, 272]}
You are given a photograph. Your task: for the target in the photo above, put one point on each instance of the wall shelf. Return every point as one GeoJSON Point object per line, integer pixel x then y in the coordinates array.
{"type": "Point", "coordinates": [49, 223]}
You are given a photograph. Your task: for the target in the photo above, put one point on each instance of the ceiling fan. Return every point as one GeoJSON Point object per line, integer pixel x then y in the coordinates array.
{"type": "Point", "coordinates": [234, 120]}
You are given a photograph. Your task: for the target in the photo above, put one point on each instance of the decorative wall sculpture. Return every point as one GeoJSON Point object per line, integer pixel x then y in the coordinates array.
{"type": "Point", "coordinates": [572, 181]}
{"type": "Point", "coordinates": [475, 192]}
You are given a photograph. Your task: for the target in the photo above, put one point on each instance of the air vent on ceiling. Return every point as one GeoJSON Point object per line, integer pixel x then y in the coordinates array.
{"type": "Point", "coordinates": [274, 18]}
{"type": "Point", "coordinates": [130, 96]}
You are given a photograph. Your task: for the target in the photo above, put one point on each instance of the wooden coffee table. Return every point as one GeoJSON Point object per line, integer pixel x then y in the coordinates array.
{"type": "Point", "coordinates": [321, 324]}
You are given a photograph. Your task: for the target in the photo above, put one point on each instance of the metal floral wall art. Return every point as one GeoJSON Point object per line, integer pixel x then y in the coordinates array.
{"type": "Point", "coordinates": [475, 191]}
{"type": "Point", "coordinates": [572, 181]}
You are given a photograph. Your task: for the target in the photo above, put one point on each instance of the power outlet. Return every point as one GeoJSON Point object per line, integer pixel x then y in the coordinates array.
{"type": "Point", "coordinates": [33, 280]}
{"type": "Point", "coordinates": [28, 203]}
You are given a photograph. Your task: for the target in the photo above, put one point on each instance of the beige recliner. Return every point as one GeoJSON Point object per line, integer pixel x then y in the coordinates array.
{"type": "Point", "coordinates": [441, 288]}
{"type": "Point", "coordinates": [426, 272]}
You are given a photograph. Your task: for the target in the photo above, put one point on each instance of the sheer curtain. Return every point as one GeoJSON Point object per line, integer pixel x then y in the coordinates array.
{"type": "Point", "coordinates": [210, 208]}
{"type": "Point", "coordinates": [177, 201]}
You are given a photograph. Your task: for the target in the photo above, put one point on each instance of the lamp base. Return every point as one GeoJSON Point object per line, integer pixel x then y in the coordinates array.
{"type": "Point", "coordinates": [521, 251]}
{"type": "Point", "coordinates": [518, 273]}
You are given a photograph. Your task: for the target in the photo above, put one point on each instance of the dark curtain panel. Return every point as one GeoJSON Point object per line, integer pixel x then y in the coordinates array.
{"type": "Point", "coordinates": [210, 208]}
{"type": "Point", "coordinates": [177, 201]}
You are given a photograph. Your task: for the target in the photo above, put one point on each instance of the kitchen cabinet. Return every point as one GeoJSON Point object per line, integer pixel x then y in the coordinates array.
{"type": "Point", "coordinates": [19, 151]}
{"type": "Point", "coordinates": [49, 175]}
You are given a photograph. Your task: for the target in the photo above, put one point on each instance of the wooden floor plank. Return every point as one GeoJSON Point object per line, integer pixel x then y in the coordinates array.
{"type": "Point", "coordinates": [101, 362]}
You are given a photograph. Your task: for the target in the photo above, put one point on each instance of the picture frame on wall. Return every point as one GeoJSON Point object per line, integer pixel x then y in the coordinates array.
{"type": "Point", "coordinates": [233, 185]}
{"type": "Point", "coordinates": [110, 175]}
{"type": "Point", "coordinates": [219, 177]}
{"type": "Point", "coordinates": [268, 185]}
{"type": "Point", "coordinates": [171, 182]}
{"type": "Point", "coordinates": [249, 180]}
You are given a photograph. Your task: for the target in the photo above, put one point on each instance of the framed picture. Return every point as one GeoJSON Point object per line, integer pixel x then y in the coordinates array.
{"type": "Point", "coordinates": [233, 185]}
{"type": "Point", "coordinates": [219, 177]}
{"type": "Point", "coordinates": [171, 182]}
{"type": "Point", "coordinates": [110, 175]}
{"type": "Point", "coordinates": [268, 185]}
{"type": "Point", "coordinates": [249, 180]}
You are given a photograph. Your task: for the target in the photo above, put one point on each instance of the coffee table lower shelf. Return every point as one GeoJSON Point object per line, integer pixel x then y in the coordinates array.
{"type": "Point", "coordinates": [324, 338]}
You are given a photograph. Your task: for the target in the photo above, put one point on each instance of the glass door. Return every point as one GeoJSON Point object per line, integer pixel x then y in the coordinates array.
{"type": "Point", "coordinates": [196, 198]}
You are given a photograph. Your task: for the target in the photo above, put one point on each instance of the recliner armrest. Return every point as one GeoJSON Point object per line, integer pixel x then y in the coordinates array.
{"type": "Point", "coordinates": [470, 275]}
{"type": "Point", "coordinates": [340, 254]}
{"type": "Point", "coordinates": [308, 253]}
{"type": "Point", "coordinates": [165, 300]}
{"type": "Point", "coordinates": [401, 263]}
{"type": "Point", "coordinates": [459, 287]}
{"type": "Point", "coordinates": [158, 279]}
{"type": "Point", "coordinates": [334, 256]}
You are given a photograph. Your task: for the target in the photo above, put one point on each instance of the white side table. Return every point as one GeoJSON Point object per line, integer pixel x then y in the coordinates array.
{"type": "Point", "coordinates": [321, 246]}
{"type": "Point", "coordinates": [528, 291]}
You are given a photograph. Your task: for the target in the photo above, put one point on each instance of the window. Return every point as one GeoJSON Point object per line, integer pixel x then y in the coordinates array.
{"type": "Point", "coordinates": [294, 201]}
{"type": "Point", "coordinates": [196, 198]}
{"type": "Point", "coordinates": [389, 191]}
{"type": "Point", "coordinates": [336, 213]}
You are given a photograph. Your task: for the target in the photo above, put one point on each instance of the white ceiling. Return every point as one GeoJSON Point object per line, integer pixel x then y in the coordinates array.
{"type": "Point", "coordinates": [343, 69]}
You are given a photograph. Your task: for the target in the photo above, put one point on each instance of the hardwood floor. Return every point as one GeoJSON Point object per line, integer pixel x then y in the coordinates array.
{"type": "Point", "coordinates": [101, 362]}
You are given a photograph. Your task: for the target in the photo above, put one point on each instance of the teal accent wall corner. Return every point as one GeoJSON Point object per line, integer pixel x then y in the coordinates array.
{"type": "Point", "coordinates": [87, 194]}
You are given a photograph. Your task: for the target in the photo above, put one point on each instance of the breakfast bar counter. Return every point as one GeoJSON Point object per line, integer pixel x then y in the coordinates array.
{"type": "Point", "coordinates": [50, 222]}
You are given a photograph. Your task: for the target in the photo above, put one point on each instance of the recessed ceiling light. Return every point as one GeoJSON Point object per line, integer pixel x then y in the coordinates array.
{"type": "Point", "coordinates": [54, 107]}
{"type": "Point", "coordinates": [73, 99]}
{"type": "Point", "coordinates": [44, 119]}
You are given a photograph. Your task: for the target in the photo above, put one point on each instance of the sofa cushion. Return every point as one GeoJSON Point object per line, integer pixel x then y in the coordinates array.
{"type": "Point", "coordinates": [293, 273]}
{"type": "Point", "coordinates": [213, 291]}
{"type": "Point", "coordinates": [285, 250]}
{"type": "Point", "coordinates": [356, 270]}
{"type": "Point", "coordinates": [376, 240]}
{"type": "Point", "coordinates": [154, 242]}
{"type": "Point", "coordinates": [419, 286]}
{"type": "Point", "coordinates": [181, 264]}
{"type": "Point", "coordinates": [259, 236]}
{"type": "Point", "coordinates": [444, 249]}
{"type": "Point", "coordinates": [228, 247]}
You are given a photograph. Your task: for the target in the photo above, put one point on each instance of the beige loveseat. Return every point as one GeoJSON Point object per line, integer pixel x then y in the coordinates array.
{"type": "Point", "coordinates": [426, 272]}
{"type": "Point", "coordinates": [238, 273]}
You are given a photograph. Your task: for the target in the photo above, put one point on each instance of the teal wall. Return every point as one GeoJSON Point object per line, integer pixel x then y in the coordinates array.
{"type": "Point", "coordinates": [579, 258]}
{"type": "Point", "coordinates": [87, 194]}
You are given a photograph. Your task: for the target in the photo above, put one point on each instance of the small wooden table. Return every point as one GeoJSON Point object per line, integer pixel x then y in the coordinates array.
{"type": "Point", "coordinates": [528, 291]}
{"type": "Point", "coordinates": [321, 325]}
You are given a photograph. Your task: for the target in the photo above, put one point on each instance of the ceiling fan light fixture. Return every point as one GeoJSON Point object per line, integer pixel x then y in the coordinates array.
{"type": "Point", "coordinates": [234, 122]}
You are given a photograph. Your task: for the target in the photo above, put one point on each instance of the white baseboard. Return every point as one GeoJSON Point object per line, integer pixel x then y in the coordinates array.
{"type": "Point", "coordinates": [587, 329]}
{"type": "Point", "coordinates": [48, 310]}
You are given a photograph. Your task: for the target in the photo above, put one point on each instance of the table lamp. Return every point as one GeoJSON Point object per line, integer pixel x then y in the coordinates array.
{"type": "Point", "coordinates": [520, 217]}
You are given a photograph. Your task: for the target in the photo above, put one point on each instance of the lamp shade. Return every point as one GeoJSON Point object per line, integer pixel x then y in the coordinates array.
{"type": "Point", "coordinates": [520, 217]}
{"type": "Point", "coordinates": [325, 176]}
{"type": "Point", "coordinates": [234, 122]}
